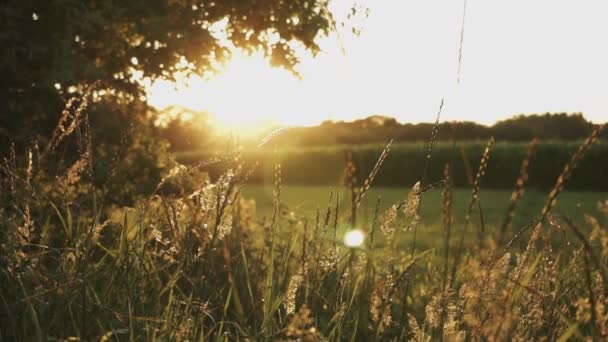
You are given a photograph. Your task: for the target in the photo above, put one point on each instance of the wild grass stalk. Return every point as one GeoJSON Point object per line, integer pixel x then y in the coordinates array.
{"type": "Point", "coordinates": [474, 198]}
{"type": "Point", "coordinates": [558, 187]}
{"type": "Point", "coordinates": [425, 171]}
{"type": "Point", "coordinates": [589, 251]}
{"type": "Point", "coordinates": [518, 192]}
{"type": "Point", "coordinates": [446, 210]}
{"type": "Point", "coordinates": [368, 181]}
{"type": "Point", "coordinates": [192, 261]}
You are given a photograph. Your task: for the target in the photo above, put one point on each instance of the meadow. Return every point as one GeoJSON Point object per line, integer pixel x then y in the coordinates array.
{"type": "Point", "coordinates": [306, 201]}
{"type": "Point", "coordinates": [222, 257]}
{"type": "Point", "coordinates": [120, 221]}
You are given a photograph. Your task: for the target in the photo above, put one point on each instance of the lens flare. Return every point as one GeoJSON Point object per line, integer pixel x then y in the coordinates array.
{"type": "Point", "coordinates": [354, 238]}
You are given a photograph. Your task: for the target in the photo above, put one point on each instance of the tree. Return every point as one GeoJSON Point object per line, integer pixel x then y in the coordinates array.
{"type": "Point", "coordinates": [53, 50]}
{"type": "Point", "coordinates": [185, 129]}
{"type": "Point", "coordinates": [560, 126]}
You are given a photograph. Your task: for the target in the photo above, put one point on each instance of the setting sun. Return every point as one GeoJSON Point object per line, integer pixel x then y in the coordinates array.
{"type": "Point", "coordinates": [405, 62]}
{"type": "Point", "coordinates": [247, 96]}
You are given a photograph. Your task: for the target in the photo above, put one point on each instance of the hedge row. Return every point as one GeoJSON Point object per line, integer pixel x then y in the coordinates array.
{"type": "Point", "coordinates": [405, 164]}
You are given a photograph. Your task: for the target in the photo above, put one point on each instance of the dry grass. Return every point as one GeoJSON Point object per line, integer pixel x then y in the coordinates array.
{"type": "Point", "coordinates": [193, 262]}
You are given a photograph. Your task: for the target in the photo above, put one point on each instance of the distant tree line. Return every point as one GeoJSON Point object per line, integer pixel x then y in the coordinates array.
{"type": "Point", "coordinates": [561, 126]}
{"type": "Point", "coordinates": [189, 130]}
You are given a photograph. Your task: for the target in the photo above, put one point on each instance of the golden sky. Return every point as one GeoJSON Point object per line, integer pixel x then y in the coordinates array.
{"type": "Point", "coordinates": [519, 56]}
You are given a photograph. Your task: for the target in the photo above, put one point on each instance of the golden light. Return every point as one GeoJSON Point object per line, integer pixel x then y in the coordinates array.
{"type": "Point", "coordinates": [354, 238]}
{"type": "Point", "coordinates": [246, 97]}
{"type": "Point", "coordinates": [405, 62]}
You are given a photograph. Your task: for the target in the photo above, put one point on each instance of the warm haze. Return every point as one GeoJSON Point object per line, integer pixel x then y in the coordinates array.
{"type": "Point", "coordinates": [518, 57]}
{"type": "Point", "coordinates": [225, 211]}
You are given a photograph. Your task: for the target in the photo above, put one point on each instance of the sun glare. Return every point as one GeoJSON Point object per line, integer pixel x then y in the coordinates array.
{"type": "Point", "coordinates": [354, 238]}
{"type": "Point", "coordinates": [247, 97]}
{"type": "Point", "coordinates": [405, 62]}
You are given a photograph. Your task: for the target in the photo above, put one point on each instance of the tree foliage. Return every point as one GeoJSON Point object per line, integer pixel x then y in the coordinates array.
{"type": "Point", "coordinates": [71, 44]}
{"type": "Point", "coordinates": [54, 50]}
{"type": "Point", "coordinates": [186, 129]}
{"type": "Point", "coordinates": [375, 129]}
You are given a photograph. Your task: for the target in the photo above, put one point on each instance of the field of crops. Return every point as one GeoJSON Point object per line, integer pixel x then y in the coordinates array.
{"type": "Point", "coordinates": [406, 162]}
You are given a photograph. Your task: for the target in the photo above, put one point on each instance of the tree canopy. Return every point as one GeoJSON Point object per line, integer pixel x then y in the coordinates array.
{"type": "Point", "coordinates": [59, 56]}
{"type": "Point", "coordinates": [55, 48]}
{"type": "Point", "coordinates": [377, 129]}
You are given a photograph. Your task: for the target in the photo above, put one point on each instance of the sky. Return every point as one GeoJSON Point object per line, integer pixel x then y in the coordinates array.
{"type": "Point", "coordinates": [518, 57]}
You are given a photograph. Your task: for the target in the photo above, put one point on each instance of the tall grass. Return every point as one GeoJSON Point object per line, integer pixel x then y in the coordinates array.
{"type": "Point", "coordinates": [194, 262]}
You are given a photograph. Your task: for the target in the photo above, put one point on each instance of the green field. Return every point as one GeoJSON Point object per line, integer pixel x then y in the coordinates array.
{"type": "Point", "coordinates": [306, 200]}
